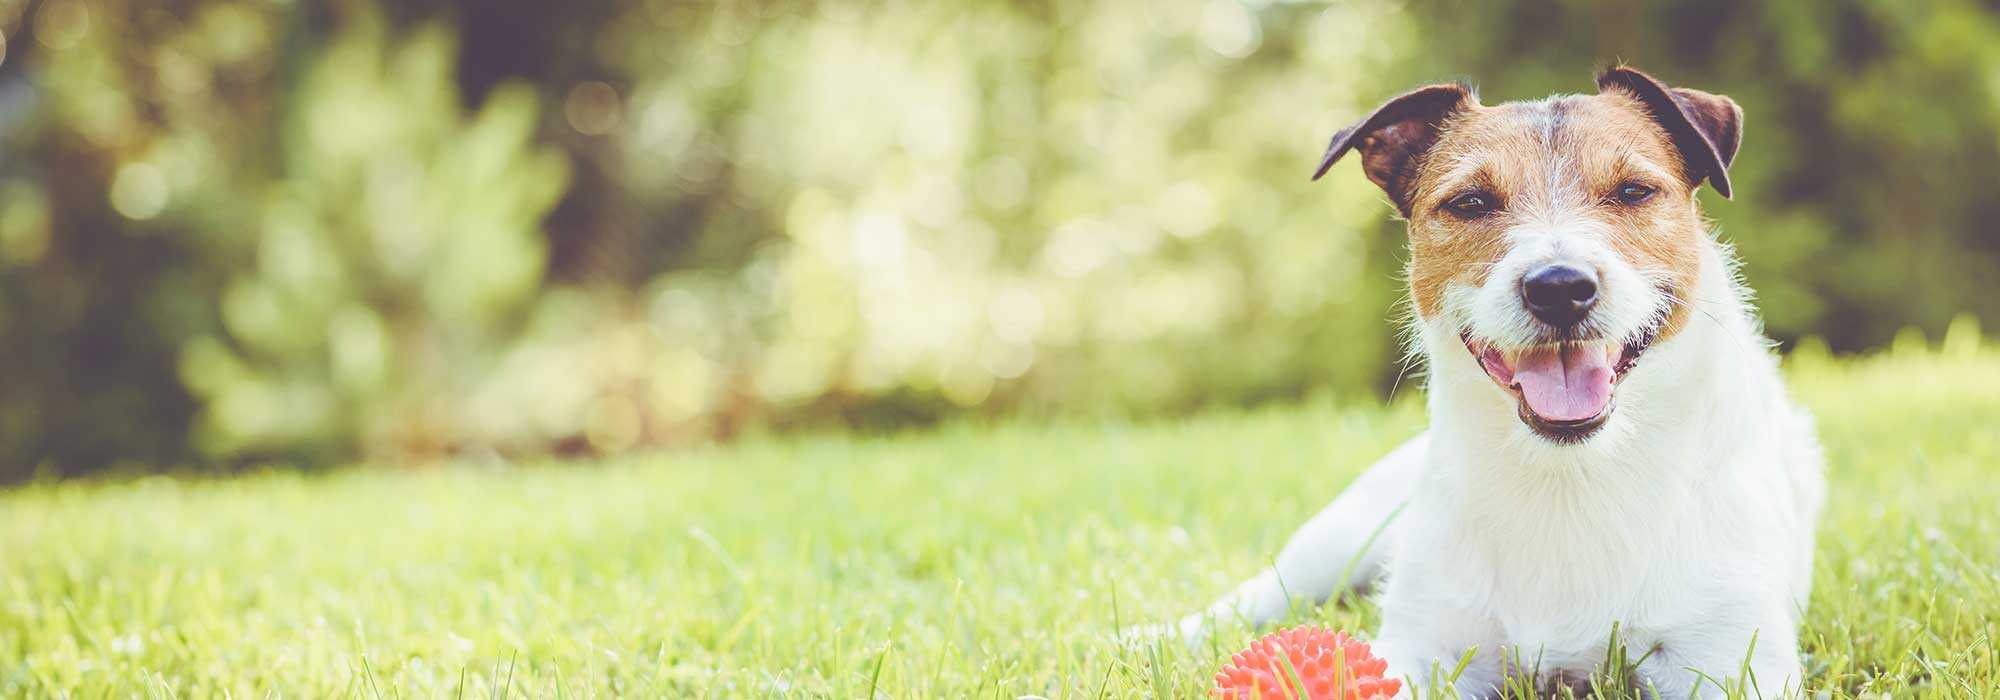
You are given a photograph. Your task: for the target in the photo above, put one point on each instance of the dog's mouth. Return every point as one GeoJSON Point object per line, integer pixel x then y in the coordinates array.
{"type": "Point", "coordinates": [1564, 391]}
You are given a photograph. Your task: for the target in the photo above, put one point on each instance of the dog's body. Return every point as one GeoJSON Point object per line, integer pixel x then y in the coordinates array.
{"type": "Point", "coordinates": [1531, 518]}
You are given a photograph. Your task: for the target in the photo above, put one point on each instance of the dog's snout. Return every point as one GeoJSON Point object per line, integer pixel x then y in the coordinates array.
{"type": "Point", "coordinates": [1560, 295]}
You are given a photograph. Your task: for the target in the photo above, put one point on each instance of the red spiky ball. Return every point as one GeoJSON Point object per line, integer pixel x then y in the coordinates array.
{"type": "Point", "coordinates": [1330, 666]}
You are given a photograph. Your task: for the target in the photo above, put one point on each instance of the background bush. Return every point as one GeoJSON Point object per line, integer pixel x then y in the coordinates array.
{"type": "Point", "coordinates": [235, 232]}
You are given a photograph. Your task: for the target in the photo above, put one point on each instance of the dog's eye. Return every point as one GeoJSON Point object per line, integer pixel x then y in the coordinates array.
{"type": "Point", "coordinates": [1634, 193]}
{"type": "Point", "coordinates": [1470, 205]}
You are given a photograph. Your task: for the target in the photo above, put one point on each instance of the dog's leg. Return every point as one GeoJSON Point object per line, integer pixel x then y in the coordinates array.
{"type": "Point", "coordinates": [1427, 670]}
{"type": "Point", "coordinates": [1427, 628]}
{"type": "Point", "coordinates": [1697, 664]}
{"type": "Point", "coordinates": [1330, 553]}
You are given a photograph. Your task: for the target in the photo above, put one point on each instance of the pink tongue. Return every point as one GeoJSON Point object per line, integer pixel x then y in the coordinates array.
{"type": "Point", "coordinates": [1570, 385]}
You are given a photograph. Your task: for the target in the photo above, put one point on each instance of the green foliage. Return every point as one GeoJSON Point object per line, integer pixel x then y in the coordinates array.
{"type": "Point", "coordinates": [398, 252]}
{"type": "Point", "coordinates": [967, 562]}
{"type": "Point", "coordinates": [961, 204]}
{"type": "Point", "coordinates": [253, 231]}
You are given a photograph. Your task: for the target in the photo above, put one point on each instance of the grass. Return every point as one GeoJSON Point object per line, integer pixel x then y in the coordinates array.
{"type": "Point", "coordinates": [976, 562]}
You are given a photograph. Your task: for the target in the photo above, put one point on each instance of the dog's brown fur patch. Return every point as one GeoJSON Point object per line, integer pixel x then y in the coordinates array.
{"type": "Point", "coordinates": [1559, 159]}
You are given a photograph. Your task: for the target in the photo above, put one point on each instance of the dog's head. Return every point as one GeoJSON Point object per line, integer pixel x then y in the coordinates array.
{"type": "Point", "coordinates": [1558, 239]}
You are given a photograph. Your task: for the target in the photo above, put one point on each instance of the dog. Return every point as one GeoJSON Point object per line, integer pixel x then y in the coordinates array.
{"type": "Point", "coordinates": [1610, 441]}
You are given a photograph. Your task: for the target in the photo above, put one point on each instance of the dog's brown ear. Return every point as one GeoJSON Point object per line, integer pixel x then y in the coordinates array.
{"type": "Point", "coordinates": [1391, 138]}
{"type": "Point", "coordinates": [1706, 128]}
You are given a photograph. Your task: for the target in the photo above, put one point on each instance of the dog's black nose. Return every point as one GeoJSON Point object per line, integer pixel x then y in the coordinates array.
{"type": "Point", "coordinates": [1559, 295]}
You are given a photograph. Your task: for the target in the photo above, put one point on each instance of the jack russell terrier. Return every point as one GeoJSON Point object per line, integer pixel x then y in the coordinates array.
{"type": "Point", "coordinates": [1610, 439]}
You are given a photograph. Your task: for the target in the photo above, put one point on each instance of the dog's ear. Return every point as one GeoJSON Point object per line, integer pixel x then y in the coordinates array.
{"type": "Point", "coordinates": [1395, 135]}
{"type": "Point", "coordinates": [1706, 128]}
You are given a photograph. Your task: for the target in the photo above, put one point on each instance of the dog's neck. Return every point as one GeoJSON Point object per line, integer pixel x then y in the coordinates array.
{"type": "Point", "coordinates": [1694, 396]}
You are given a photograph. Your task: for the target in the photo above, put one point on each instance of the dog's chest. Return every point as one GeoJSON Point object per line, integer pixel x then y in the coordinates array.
{"type": "Point", "coordinates": [1556, 583]}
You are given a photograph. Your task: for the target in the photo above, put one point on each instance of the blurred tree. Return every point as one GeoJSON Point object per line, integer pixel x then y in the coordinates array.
{"type": "Point", "coordinates": [399, 248]}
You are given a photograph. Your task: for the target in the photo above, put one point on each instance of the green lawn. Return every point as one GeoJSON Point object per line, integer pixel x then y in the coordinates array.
{"type": "Point", "coordinates": [979, 562]}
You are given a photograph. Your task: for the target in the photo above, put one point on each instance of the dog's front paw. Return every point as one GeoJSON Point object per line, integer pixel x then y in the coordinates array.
{"type": "Point", "coordinates": [1418, 673]}
{"type": "Point", "coordinates": [1195, 629]}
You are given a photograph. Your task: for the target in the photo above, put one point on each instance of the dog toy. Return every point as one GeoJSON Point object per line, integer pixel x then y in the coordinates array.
{"type": "Point", "coordinates": [1327, 665]}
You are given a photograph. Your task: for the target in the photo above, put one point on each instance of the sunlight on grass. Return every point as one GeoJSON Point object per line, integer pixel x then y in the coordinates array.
{"type": "Point", "coordinates": [977, 561]}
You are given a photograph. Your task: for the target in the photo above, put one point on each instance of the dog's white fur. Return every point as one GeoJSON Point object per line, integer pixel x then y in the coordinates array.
{"type": "Point", "coordinates": [1688, 520]}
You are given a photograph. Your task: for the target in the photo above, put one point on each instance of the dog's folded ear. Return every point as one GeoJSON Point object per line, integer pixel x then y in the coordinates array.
{"type": "Point", "coordinates": [1395, 135]}
{"type": "Point", "coordinates": [1705, 127]}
